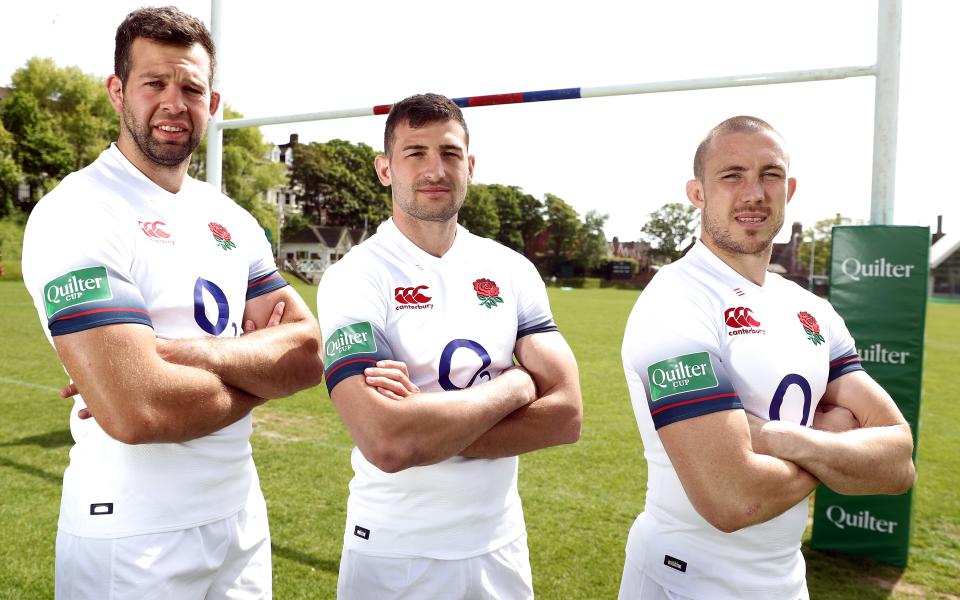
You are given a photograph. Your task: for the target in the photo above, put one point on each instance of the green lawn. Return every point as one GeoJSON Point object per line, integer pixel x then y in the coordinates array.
{"type": "Point", "coordinates": [579, 500]}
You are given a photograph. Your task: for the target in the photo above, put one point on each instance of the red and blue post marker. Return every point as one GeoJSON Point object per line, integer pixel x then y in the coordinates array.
{"type": "Point", "coordinates": [496, 99]}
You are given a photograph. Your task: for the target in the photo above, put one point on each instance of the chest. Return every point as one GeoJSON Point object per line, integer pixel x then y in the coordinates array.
{"type": "Point", "coordinates": [191, 266]}
{"type": "Point", "coordinates": [777, 362]}
{"type": "Point", "coordinates": [454, 327]}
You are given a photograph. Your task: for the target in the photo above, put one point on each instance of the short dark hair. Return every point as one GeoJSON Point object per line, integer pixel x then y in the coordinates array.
{"type": "Point", "coordinates": [166, 25]}
{"type": "Point", "coordinates": [420, 110]}
{"type": "Point", "coordinates": [740, 124]}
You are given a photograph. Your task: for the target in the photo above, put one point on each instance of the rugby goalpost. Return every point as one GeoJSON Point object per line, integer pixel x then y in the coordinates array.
{"type": "Point", "coordinates": [886, 70]}
{"type": "Point", "coordinates": [853, 301]}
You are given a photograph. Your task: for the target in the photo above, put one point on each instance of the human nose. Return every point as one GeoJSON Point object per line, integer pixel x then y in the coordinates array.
{"type": "Point", "coordinates": [753, 190]}
{"type": "Point", "coordinates": [434, 168]}
{"type": "Point", "coordinates": [173, 100]}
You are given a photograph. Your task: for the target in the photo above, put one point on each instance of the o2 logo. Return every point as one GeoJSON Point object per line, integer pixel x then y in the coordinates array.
{"type": "Point", "coordinates": [200, 308]}
{"type": "Point", "coordinates": [447, 356]}
{"type": "Point", "coordinates": [778, 396]}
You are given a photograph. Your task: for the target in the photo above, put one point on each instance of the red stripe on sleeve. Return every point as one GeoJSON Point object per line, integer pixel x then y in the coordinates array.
{"type": "Point", "coordinates": [100, 310]}
{"type": "Point", "coordinates": [695, 400]}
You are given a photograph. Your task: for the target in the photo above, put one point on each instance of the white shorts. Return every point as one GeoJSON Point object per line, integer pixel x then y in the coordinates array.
{"type": "Point", "coordinates": [501, 574]}
{"type": "Point", "coordinates": [637, 585]}
{"type": "Point", "coordinates": [229, 558]}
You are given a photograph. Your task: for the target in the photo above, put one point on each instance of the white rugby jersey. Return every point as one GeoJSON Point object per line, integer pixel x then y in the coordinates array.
{"type": "Point", "coordinates": [110, 246]}
{"type": "Point", "coordinates": [702, 338]}
{"type": "Point", "coordinates": [454, 321]}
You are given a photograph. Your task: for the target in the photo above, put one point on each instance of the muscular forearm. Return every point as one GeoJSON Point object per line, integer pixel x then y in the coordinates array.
{"type": "Point", "coordinates": [270, 363]}
{"type": "Point", "coordinates": [768, 488]}
{"type": "Point", "coordinates": [171, 403]}
{"type": "Point", "coordinates": [548, 421]}
{"type": "Point", "coordinates": [870, 460]}
{"type": "Point", "coordinates": [426, 428]}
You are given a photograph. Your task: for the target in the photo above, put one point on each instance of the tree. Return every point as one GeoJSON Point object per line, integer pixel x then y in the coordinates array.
{"type": "Point", "coordinates": [670, 227]}
{"type": "Point", "coordinates": [42, 156]}
{"type": "Point", "coordinates": [247, 173]}
{"type": "Point", "coordinates": [10, 173]}
{"type": "Point", "coordinates": [822, 232]}
{"type": "Point", "coordinates": [531, 218]}
{"type": "Point", "coordinates": [592, 247]}
{"type": "Point", "coordinates": [479, 212]}
{"type": "Point", "coordinates": [563, 223]}
{"type": "Point", "coordinates": [78, 104]}
{"type": "Point", "coordinates": [339, 183]}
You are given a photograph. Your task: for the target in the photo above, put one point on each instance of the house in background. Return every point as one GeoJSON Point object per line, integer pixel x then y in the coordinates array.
{"type": "Point", "coordinates": [944, 263]}
{"type": "Point", "coordinates": [311, 251]}
{"type": "Point", "coordinates": [285, 195]}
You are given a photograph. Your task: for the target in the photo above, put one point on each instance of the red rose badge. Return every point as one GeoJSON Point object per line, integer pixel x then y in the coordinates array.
{"type": "Point", "coordinates": [222, 236]}
{"type": "Point", "coordinates": [487, 292]}
{"type": "Point", "coordinates": [811, 327]}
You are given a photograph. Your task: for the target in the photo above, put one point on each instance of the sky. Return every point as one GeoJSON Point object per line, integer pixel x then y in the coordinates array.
{"type": "Point", "coordinates": [622, 156]}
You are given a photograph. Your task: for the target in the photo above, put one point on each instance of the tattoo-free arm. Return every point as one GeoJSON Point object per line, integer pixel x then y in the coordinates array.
{"type": "Point", "coordinates": [554, 417]}
{"type": "Point", "coordinates": [269, 362]}
{"type": "Point", "coordinates": [428, 427]}
{"type": "Point", "coordinates": [136, 397]}
{"type": "Point", "coordinates": [877, 458]}
{"type": "Point", "coordinates": [729, 484]}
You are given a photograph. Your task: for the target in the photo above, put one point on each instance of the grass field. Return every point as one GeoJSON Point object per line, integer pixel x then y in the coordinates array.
{"type": "Point", "coordinates": [579, 500]}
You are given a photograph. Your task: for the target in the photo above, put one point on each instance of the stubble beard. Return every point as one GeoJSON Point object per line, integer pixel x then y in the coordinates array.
{"type": "Point", "coordinates": [755, 243]}
{"type": "Point", "coordinates": [163, 154]}
{"type": "Point", "coordinates": [422, 211]}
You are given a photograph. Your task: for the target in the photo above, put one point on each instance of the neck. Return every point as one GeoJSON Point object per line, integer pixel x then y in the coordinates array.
{"type": "Point", "coordinates": [169, 178]}
{"type": "Point", "coordinates": [433, 237]}
{"type": "Point", "coordinates": [751, 266]}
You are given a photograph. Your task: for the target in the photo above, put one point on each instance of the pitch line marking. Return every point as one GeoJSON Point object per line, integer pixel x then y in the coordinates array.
{"type": "Point", "coordinates": [35, 386]}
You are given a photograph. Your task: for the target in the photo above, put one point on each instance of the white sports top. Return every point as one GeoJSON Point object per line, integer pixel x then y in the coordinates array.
{"type": "Point", "coordinates": [701, 338]}
{"type": "Point", "coordinates": [110, 246]}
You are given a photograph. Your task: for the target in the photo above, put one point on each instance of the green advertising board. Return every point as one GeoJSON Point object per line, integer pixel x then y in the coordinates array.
{"type": "Point", "coordinates": [878, 284]}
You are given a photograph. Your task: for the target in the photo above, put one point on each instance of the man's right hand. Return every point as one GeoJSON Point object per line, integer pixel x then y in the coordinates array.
{"type": "Point", "coordinates": [391, 378]}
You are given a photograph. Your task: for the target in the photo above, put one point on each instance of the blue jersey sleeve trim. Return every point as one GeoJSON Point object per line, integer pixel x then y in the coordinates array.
{"type": "Point", "coordinates": [348, 367]}
{"type": "Point", "coordinates": [97, 318]}
{"type": "Point", "coordinates": [687, 408]}
{"type": "Point", "coordinates": [539, 328]}
{"type": "Point", "coordinates": [843, 365]}
{"type": "Point", "coordinates": [267, 283]}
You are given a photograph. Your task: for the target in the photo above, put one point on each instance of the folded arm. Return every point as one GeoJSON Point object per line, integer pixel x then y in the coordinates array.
{"type": "Point", "coordinates": [877, 458]}
{"type": "Point", "coordinates": [729, 484]}
{"type": "Point", "coordinates": [425, 427]}
{"type": "Point", "coordinates": [553, 418]}
{"type": "Point", "coordinates": [137, 397]}
{"type": "Point", "coordinates": [269, 362]}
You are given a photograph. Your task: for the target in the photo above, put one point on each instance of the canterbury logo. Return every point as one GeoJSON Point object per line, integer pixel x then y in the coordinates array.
{"type": "Point", "coordinates": [740, 316]}
{"type": "Point", "coordinates": [411, 295]}
{"type": "Point", "coordinates": [152, 229]}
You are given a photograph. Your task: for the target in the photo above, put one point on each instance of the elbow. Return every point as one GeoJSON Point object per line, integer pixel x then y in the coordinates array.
{"type": "Point", "coordinates": [572, 425]}
{"type": "Point", "coordinates": [906, 479]}
{"type": "Point", "coordinates": [390, 456]}
{"type": "Point", "coordinates": [133, 429]}
{"type": "Point", "coordinates": [727, 521]}
{"type": "Point", "coordinates": [727, 517]}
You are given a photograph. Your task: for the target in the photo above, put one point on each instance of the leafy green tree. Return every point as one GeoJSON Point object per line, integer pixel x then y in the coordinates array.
{"type": "Point", "coordinates": [592, 246]}
{"type": "Point", "coordinates": [508, 199]}
{"type": "Point", "coordinates": [77, 103]}
{"type": "Point", "coordinates": [563, 223]}
{"type": "Point", "coordinates": [41, 154]}
{"type": "Point", "coordinates": [339, 183]}
{"type": "Point", "coordinates": [532, 221]}
{"type": "Point", "coordinates": [246, 173]}
{"type": "Point", "coordinates": [10, 173]}
{"type": "Point", "coordinates": [479, 212]}
{"type": "Point", "coordinates": [822, 232]}
{"type": "Point", "coordinates": [670, 228]}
